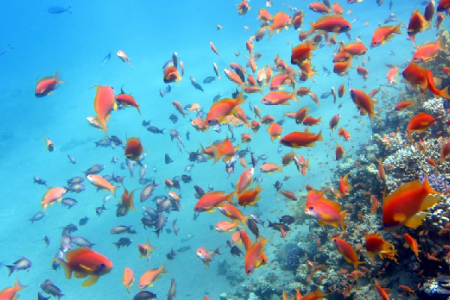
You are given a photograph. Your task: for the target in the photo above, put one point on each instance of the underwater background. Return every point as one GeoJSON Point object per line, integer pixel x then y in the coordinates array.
{"type": "Point", "coordinates": [40, 37]}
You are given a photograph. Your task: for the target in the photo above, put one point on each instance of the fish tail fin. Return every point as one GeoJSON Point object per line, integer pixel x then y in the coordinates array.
{"type": "Point", "coordinates": [444, 93]}
{"type": "Point", "coordinates": [217, 153]}
{"type": "Point", "coordinates": [320, 294]}
{"type": "Point", "coordinates": [293, 96]}
{"type": "Point", "coordinates": [10, 269]}
{"type": "Point", "coordinates": [18, 286]}
{"type": "Point", "coordinates": [113, 189]}
{"type": "Point", "coordinates": [240, 98]}
{"type": "Point", "coordinates": [343, 215]}
{"type": "Point", "coordinates": [230, 197]}
{"type": "Point", "coordinates": [216, 251]}
{"type": "Point", "coordinates": [66, 267]}
{"type": "Point", "coordinates": [396, 29]}
{"type": "Point", "coordinates": [357, 263]}
{"type": "Point", "coordinates": [270, 31]}
{"type": "Point", "coordinates": [102, 124]}
{"type": "Point", "coordinates": [313, 27]}
{"type": "Point", "coordinates": [319, 136]}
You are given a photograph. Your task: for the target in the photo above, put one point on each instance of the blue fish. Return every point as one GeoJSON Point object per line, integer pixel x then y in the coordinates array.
{"type": "Point", "coordinates": [106, 59]}
{"type": "Point", "coordinates": [58, 10]}
{"type": "Point", "coordinates": [4, 50]}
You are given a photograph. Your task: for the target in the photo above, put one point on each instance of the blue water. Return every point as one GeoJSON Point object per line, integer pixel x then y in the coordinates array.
{"type": "Point", "coordinates": [149, 32]}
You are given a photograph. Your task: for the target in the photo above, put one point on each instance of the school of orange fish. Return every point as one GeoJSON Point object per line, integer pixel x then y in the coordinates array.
{"type": "Point", "coordinates": [402, 207]}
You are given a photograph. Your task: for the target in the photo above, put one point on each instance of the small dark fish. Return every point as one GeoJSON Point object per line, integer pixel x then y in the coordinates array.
{"type": "Point", "coordinates": [68, 229]}
{"type": "Point", "coordinates": [83, 221]}
{"type": "Point", "coordinates": [175, 227]}
{"type": "Point", "coordinates": [144, 295]}
{"type": "Point", "coordinates": [106, 59]}
{"type": "Point", "coordinates": [217, 128]}
{"type": "Point", "coordinates": [188, 135]}
{"type": "Point", "coordinates": [173, 118]}
{"type": "Point", "coordinates": [37, 216]}
{"type": "Point", "coordinates": [147, 222]}
{"type": "Point", "coordinates": [72, 160]}
{"type": "Point", "coordinates": [184, 249]}
{"type": "Point", "coordinates": [4, 50]}
{"type": "Point", "coordinates": [46, 241]}
{"type": "Point", "coordinates": [122, 229]}
{"type": "Point", "coordinates": [257, 219]}
{"type": "Point", "coordinates": [211, 227]}
{"type": "Point", "coordinates": [121, 211]}
{"type": "Point", "coordinates": [253, 227]}
{"type": "Point", "coordinates": [21, 264]}
{"type": "Point", "coordinates": [235, 251]}
{"type": "Point", "coordinates": [167, 159]}
{"type": "Point", "coordinates": [99, 210]}
{"type": "Point", "coordinates": [209, 79]}
{"type": "Point", "coordinates": [114, 160]}
{"type": "Point", "coordinates": [172, 290]}
{"type": "Point", "coordinates": [75, 180]}
{"type": "Point", "coordinates": [188, 168]}
{"type": "Point", "coordinates": [380, 2]}
{"type": "Point", "coordinates": [76, 188]}
{"type": "Point", "coordinates": [49, 288]}
{"type": "Point", "coordinates": [69, 202]}
{"type": "Point", "coordinates": [199, 192]}
{"type": "Point", "coordinates": [95, 169]}
{"type": "Point", "coordinates": [154, 129]}
{"type": "Point", "coordinates": [65, 243]}
{"type": "Point", "coordinates": [391, 4]}
{"type": "Point", "coordinates": [122, 242]}
{"type": "Point", "coordinates": [262, 157]}
{"type": "Point", "coordinates": [58, 10]}
{"type": "Point", "coordinates": [42, 297]}
{"type": "Point", "coordinates": [325, 95]}
{"type": "Point", "coordinates": [196, 215]}
{"type": "Point", "coordinates": [103, 143]}
{"type": "Point", "coordinates": [283, 228]}
{"type": "Point", "coordinates": [171, 255]}
{"type": "Point", "coordinates": [186, 178]}
{"type": "Point", "coordinates": [254, 160]}
{"type": "Point", "coordinates": [39, 181]}
{"type": "Point", "coordinates": [278, 185]}
{"type": "Point", "coordinates": [146, 123]}
{"type": "Point", "coordinates": [116, 141]}
{"type": "Point", "coordinates": [196, 85]}
{"type": "Point", "coordinates": [216, 97]}
{"type": "Point", "coordinates": [286, 219]}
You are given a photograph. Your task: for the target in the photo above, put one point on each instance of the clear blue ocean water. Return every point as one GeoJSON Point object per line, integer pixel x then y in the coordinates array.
{"type": "Point", "coordinates": [149, 32]}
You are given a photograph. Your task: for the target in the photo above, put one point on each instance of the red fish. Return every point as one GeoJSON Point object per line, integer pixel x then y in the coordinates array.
{"type": "Point", "coordinates": [149, 277]}
{"type": "Point", "coordinates": [410, 242]}
{"type": "Point", "coordinates": [403, 206]}
{"type": "Point", "coordinates": [10, 293]}
{"type": "Point", "coordinates": [253, 256]}
{"type": "Point", "coordinates": [127, 100]}
{"type": "Point", "coordinates": [280, 21]}
{"type": "Point", "coordinates": [46, 85]}
{"type": "Point", "coordinates": [301, 139]}
{"type": "Point", "coordinates": [417, 23]}
{"type": "Point", "coordinates": [243, 7]}
{"type": "Point", "coordinates": [133, 149]}
{"type": "Point", "coordinates": [326, 212]}
{"type": "Point", "coordinates": [224, 149]}
{"type": "Point", "coordinates": [213, 48]}
{"type": "Point", "coordinates": [419, 76]}
{"type": "Point", "coordinates": [404, 105]}
{"type": "Point", "coordinates": [419, 123]}
{"type": "Point", "coordinates": [332, 23]}
{"type": "Point", "coordinates": [103, 104]}
{"type": "Point", "coordinates": [211, 200]}
{"type": "Point", "coordinates": [302, 52]}
{"type": "Point", "coordinates": [375, 245]}
{"type": "Point", "coordinates": [275, 131]}
{"type": "Point", "coordinates": [364, 103]}
{"type": "Point", "coordinates": [171, 74]}
{"type": "Point", "coordinates": [383, 34]}
{"type": "Point", "coordinates": [207, 256]}
{"type": "Point", "coordinates": [347, 252]}
{"type": "Point", "coordinates": [222, 108]}
{"type": "Point", "coordinates": [250, 197]}
{"type": "Point", "coordinates": [428, 51]}
{"type": "Point", "coordinates": [84, 262]}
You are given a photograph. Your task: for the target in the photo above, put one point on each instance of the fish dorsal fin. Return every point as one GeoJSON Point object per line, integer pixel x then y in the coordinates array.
{"type": "Point", "coordinates": [328, 17]}
{"type": "Point", "coordinates": [73, 253]}
{"type": "Point", "coordinates": [401, 190]}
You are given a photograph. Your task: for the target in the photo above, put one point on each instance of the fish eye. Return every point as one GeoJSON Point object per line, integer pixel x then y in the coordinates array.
{"type": "Point", "coordinates": [249, 271]}
{"type": "Point", "coordinates": [311, 208]}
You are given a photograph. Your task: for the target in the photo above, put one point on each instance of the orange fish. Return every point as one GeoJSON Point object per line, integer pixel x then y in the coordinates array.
{"type": "Point", "coordinates": [331, 23]}
{"type": "Point", "coordinates": [234, 77]}
{"type": "Point", "coordinates": [334, 121]}
{"type": "Point", "coordinates": [244, 181]}
{"type": "Point", "coordinates": [171, 74]}
{"type": "Point", "coordinates": [212, 199]}
{"type": "Point", "coordinates": [103, 104]}
{"type": "Point", "coordinates": [280, 21]}
{"type": "Point", "coordinates": [253, 256]}
{"type": "Point", "coordinates": [226, 226]}
{"type": "Point", "coordinates": [417, 23]}
{"type": "Point", "coordinates": [250, 197]}
{"type": "Point", "coordinates": [246, 138]}
{"type": "Point", "coordinates": [392, 73]}
{"type": "Point", "coordinates": [376, 245]}
{"type": "Point", "coordinates": [339, 152]}
{"type": "Point", "coordinates": [224, 149]}
{"type": "Point", "coordinates": [404, 105]}
{"type": "Point", "coordinates": [410, 242]}
{"type": "Point", "coordinates": [341, 68]}
{"type": "Point", "coordinates": [326, 212]}
{"type": "Point", "coordinates": [264, 15]}
{"type": "Point", "coordinates": [133, 149]}
{"type": "Point", "coordinates": [207, 256]}
{"type": "Point", "coordinates": [232, 212]}
{"type": "Point", "coordinates": [310, 121]}
{"type": "Point", "coordinates": [344, 133]}
{"type": "Point", "coordinates": [52, 195]}
{"type": "Point", "coordinates": [444, 5]}
{"type": "Point", "coordinates": [341, 90]}
{"type": "Point", "coordinates": [9, 293]}
{"type": "Point", "coordinates": [222, 108]}
{"type": "Point", "coordinates": [128, 279]}
{"type": "Point", "coordinates": [243, 7]}
{"type": "Point", "coordinates": [145, 250]}
{"type": "Point", "coordinates": [419, 124]}
{"type": "Point", "coordinates": [381, 171]}
{"type": "Point", "coordinates": [149, 277]}
{"type": "Point", "coordinates": [213, 48]}
{"type": "Point", "coordinates": [404, 205]}
{"type": "Point", "coordinates": [84, 262]}
{"type": "Point", "coordinates": [384, 33]}
{"type": "Point", "coordinates": [445, 151]}
{"type": "Point", "coordinates": [302, 52]}
{"type": "Point", "coordinates": [297, 19]}
{"type": "Point", "coordinates": [279, 97]}
{"type": "Point", "coordinates": [319, 8]}
{"type": "Point", "coordinates": [363, 72]}
{"type": "Point", "coordinates": [275, 131]}
{"type": "Point", "coordinates": [337, 9]}
{"type": "Point", "coordinates": [127, 100]}
{"type": "Point", "coordinates": [364, 103]}
{"type": "Point", "coordinates": [355, 49]}
{"type": "Point", "coordinates": [428, 51]}
{"type": "Point", "coordinates": [301, 139]}
{"type": "Point", "coordinates": [101, 183]}
{"type": "Point", "coordinates": [344, 186]}
{"type": "Point", "coordinates": [46, 85]}
{"type": "Point", "coordinates": [127, 199]}
{"type": "Point", "coordinates": [347, 252]}
{"type": "Point", "coordinates": [270, 168]}
{"type": "Point", "coordinates": [301, 114]}
{"type": "Point", "coordinates": [199, 124]}
{"type": "Point", "coordinates": [124, 57]}
{"type": "Point", "coordinates": [381, 291]}
{"type": "Point", "coordinates": [49, 144]}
